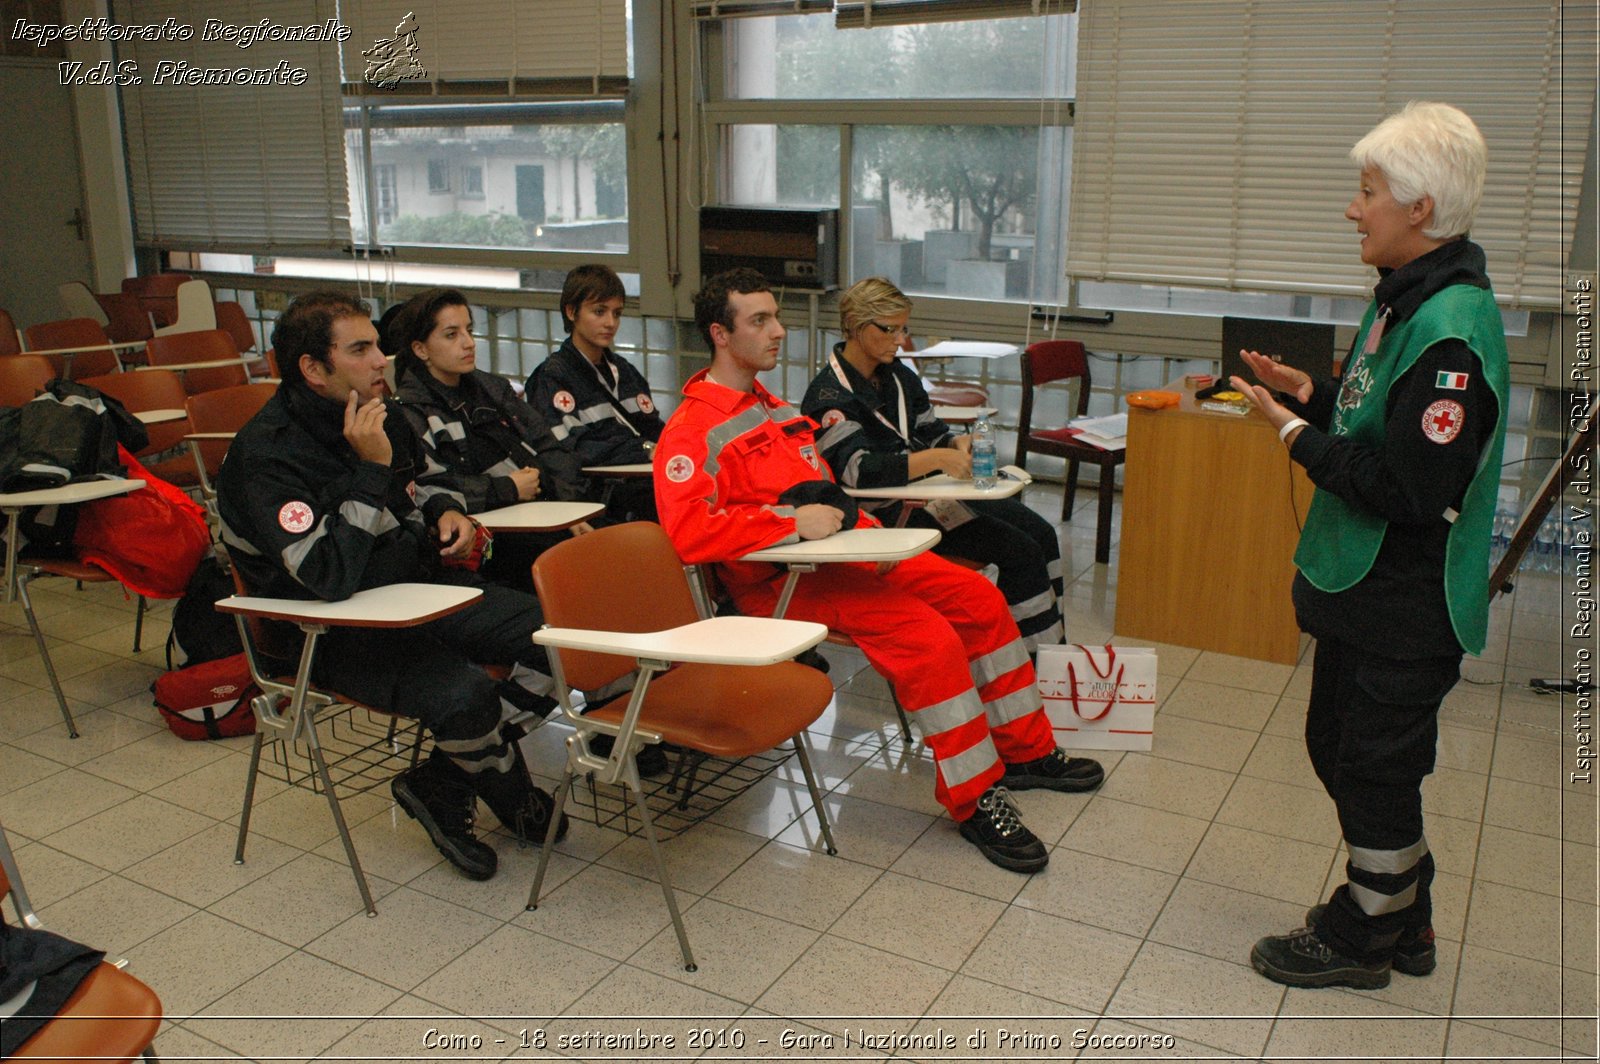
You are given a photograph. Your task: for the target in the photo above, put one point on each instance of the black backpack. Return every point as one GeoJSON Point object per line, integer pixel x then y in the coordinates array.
{"type": "Point", "coordinates": [199, 632]}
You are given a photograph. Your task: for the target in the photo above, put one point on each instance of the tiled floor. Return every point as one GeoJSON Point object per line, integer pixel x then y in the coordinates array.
{"type": "Point", "coordinates": [1133, 943]}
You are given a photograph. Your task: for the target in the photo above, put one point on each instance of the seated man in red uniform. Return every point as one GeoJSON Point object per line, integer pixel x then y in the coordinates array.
{"type": "Point", "coordinates": [941, 634]}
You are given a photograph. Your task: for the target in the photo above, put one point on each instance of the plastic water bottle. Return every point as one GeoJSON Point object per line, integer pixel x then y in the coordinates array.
{"type": "Point", "coordinates": [982, 453]}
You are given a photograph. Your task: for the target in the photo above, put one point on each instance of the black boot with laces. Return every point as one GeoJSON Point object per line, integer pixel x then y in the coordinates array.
{"type": "Point", "coordinates": [1301, 958]}
{"type": "Point", "coordinates": [999, 834]}
{"type": "Point", "coordinates": [436, 795]}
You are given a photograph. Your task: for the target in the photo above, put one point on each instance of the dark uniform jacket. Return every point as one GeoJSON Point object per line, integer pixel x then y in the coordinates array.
{"type": "Point", "coordinates": [860, 424]}
{"type": "Point", "coordinates": [475, 435]}
{"type": "Point", "coordinates": [568, 393]}
{"type": "Point", "coordinates": [1398, 609]}
{"type": "Point", "coordinates": [303, 517]}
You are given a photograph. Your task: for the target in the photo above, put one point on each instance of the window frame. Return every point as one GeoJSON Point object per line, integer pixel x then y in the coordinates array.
{"type": "Point", "coordinates": [359, 115]}
{"type": "Point", "coordinates": [718, 112]}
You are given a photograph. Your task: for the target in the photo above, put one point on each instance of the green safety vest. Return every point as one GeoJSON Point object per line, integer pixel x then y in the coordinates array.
{"type": "Point", "coordinates": [1340, 540]}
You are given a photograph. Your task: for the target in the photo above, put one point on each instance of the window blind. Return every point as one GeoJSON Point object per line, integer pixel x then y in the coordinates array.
{"type": "Point", "coordinates": [495, 47]}
{"type": "Point", "coordinates": [235, 167]}
{"type": "Point", "coordinates": [721, 9]}
{"type": "Point", "coordinates": [1212, 136]}
{"type": "Point", "coordinates": [865, 14]}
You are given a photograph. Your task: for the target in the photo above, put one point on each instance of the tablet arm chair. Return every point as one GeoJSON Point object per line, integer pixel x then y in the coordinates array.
{"type": "Point", "coordinates": [618, 602]}
{"type": "Point", "coordinates": [110, 1016]}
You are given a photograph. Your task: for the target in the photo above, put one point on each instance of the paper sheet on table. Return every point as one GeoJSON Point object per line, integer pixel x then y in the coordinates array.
{"type": "Point", "coordinates": [1109, 432]}
{"type": "Point", "coordinates": [964, 349]}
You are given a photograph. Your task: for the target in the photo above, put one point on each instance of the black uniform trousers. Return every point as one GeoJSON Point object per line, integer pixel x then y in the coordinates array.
{"type": "Point", "coordinates": [432, 672]}
{"type": "Point", "coordinates": [1372, 729]}
{"type": "Point", "coordinates": [1022, 545]}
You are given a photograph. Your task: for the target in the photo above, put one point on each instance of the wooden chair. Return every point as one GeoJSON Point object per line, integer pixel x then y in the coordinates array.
{"type": "Point", "coordinates": [22, 377]}
{"type": "Point", "coordinates": [219, 414]}
{"type": "Point", "coordinates": [1055, 360]}
{"type": "Point", "coordinates": [721, 687]}
{"type": "Point", "coordinates": [85, 337]}
{"type": "Point", "coordinates": [206, 345]}
{"type": "Point", "coordinates": [110, 1016]}
{"type": "Point", "coordinates": [155, 390]}
{"type": "Point", "coordinates": [10, 339]}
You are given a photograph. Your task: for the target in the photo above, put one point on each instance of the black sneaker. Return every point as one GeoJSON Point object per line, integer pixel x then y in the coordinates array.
{"type": "Point", "coordinates": [999, 834]}
{"type": "Point", "coordinates": [813, 658]}
{"type": "Point", "coordinates": [1300, 958]}
{"type": "Point", "coordinates": [446, 809]}
{"type": "Point", "coordinates": [529, 819]}
{"type": "Point", "coordinates": [1054, 771]}
{"type": "Point", "coordinates": [1414, 952]}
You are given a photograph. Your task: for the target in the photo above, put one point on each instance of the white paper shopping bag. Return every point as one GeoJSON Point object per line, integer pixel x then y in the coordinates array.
{"type": "Point", "coordinates": [1099, 698]}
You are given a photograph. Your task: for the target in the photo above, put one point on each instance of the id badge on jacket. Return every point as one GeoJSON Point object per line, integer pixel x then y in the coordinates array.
{"type": "Point", "coordinates": [949, 513]}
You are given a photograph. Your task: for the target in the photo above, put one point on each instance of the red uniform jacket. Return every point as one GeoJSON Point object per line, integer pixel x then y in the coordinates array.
{"type": "Point", "coordinates": [722, 461]}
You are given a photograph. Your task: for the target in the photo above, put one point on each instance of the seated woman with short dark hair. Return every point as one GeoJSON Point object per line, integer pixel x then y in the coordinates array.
{"type": "Point", "coordinates": [481, 440]}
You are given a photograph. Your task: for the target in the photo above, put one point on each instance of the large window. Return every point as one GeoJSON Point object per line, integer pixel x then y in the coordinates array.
{"type": "Point", "coordinates": [516, 185]}
{"type": "Point", "coordinates": [947, 145]}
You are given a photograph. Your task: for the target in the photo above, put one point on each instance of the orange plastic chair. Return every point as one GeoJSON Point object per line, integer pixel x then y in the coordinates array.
{"type": "Point", "coordinates": [1055, 360]}
{"type": "Point", "coordinates": [624, 586]}
{"type": "Point", "coordinates": [157, 294]}
{"type": "Point", "coordinates": [206, 345]}
{"type": "Point", "coordinates": [22, 377]}
{"type": "Point", "coordinates": [73, 333]}
{"type": "Point", "coordinates": [126, 319]}
{"type": "Point", "coordinates": [222, 410]}
{"type": "Point", "coordinates": [111, 1016]}
{"type": "Point", "coordinates": [155, 390]}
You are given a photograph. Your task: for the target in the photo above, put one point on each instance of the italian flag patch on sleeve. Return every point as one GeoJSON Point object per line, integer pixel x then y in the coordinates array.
{"type": "Point", "coordinates": [1456, 382]}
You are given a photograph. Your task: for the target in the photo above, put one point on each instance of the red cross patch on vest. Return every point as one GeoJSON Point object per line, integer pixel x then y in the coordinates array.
{"type": "Point", "coordinates": [1442, 421]}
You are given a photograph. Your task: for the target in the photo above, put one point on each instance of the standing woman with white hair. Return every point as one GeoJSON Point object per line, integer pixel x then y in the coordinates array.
{"type": "Point", "coordinates": [1404, 451]}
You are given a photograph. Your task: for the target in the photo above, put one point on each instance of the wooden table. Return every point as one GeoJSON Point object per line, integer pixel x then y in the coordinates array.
{"type": "Point", "coordinates": [1211, 512]}
{"type": "Point", "coordinates": [537, 516]}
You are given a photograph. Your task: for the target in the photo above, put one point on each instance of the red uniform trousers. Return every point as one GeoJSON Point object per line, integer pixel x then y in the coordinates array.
{"type": "Point", "coordinates": [944, 639]}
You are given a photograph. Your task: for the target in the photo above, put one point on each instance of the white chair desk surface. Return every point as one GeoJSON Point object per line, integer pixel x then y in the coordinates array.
{"type": "Point", "coordinates": [179, 367]}
{"type": "Point", "coordinates": [537, 516]}
{"type": "Point", "coordinates": [158, 417]}
{"type": "Point", "coordinates": [941, 486]}
{"type": "Point", "coordinates": [850, 545]}
{"type": "Point", "coordinates": [713, 641]}
{"type": "Point", "coordinates": [66, 495]}
{"type": "Point", "coordinates": [626, 469]}
{"type": "Point", "coordinates": [392, 606]}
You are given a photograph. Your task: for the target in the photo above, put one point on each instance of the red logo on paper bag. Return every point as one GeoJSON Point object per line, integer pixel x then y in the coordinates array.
{"type": "Point", "coordinates": [564, 402]}
{"type": "Point", "coordinates": [679, 468]}
{"type": "Point", "coordinates": [646, 404]}
{"type": "Point", "coordinates": [1442, 421]}
{"type": "Point", "coordinates": [295, 517]}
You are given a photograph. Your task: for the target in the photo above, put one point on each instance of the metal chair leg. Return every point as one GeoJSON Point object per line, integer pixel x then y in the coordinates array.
{"type": "Point", "coordinates": [249, 793]}
{"type": "Point", "coordinates": [905, 721]}
{"type": "Point", "coordinates": [44, 652]}
{"type": "Point", "coordinates": [816, 794]}
{"type": "Point", "coordinates": [661, 871]}
{"type": "Point", "coordinates": [138, 624]}
{"type": "Point", "coordinates": [338, 816]}
{"type": "Point", "coordinates": [550, 837]}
